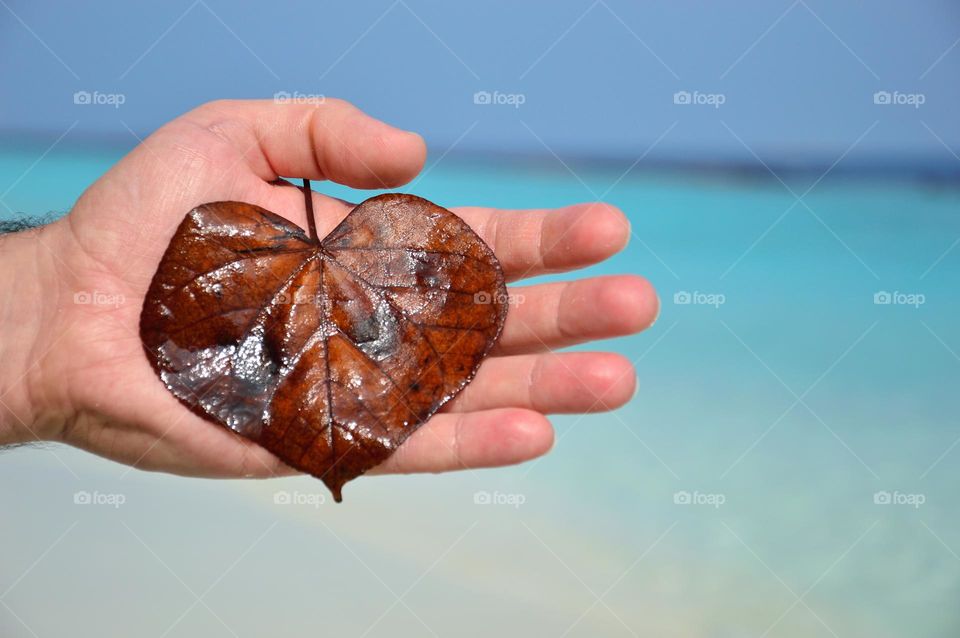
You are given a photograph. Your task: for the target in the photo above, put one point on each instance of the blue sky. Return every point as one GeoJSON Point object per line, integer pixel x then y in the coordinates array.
{"type": "Point", "coordinates": [796, 77]}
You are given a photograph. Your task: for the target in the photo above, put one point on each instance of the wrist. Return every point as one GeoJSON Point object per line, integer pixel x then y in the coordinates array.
{"type": "Point", "coordinates": [24, 271]}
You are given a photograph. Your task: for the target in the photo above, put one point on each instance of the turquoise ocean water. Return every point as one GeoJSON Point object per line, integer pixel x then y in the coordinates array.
{"type": "Point", "coordinates": [788, 467]}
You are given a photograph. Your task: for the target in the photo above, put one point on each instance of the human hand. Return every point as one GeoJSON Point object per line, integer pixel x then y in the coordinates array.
{"type": "Point", "coordinates": [86, 381]}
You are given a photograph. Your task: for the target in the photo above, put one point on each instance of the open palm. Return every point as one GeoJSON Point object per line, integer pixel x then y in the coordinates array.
{"type": "Point", "coordinates": [107, 249]}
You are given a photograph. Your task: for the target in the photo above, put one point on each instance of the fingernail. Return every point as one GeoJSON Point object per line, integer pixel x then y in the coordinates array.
{"type": "Point", "coordinates": [659, 309]}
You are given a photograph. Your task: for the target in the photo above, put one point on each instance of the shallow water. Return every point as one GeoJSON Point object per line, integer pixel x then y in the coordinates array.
{"type": "Point", "coordinates": [782, 402]}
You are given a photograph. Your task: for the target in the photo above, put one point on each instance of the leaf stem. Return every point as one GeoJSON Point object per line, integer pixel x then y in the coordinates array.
{"type": "Point", "coordinates": [308, 202]}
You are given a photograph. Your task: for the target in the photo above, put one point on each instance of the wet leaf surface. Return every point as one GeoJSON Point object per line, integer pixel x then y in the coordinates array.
{"type": "Point", "coordinates": [327, 353]}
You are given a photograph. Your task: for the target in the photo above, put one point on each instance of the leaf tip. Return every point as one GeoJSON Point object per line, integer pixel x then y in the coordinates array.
{"type": "Point", "coordinates": [335, 488]}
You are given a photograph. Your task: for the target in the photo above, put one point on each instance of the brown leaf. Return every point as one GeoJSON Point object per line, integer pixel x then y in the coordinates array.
{"type": "Point", "coordinates": [331, 353]}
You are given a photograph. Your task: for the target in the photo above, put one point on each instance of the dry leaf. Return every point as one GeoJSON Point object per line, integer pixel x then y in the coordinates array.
{"type": "Point", "coordinates": [327, 353]}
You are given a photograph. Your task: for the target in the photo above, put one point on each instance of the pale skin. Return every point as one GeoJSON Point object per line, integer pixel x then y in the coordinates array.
{"type": "Point", "coordinates": [76, 373]}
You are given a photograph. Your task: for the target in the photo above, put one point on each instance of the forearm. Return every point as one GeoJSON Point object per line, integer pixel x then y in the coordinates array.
{"type": "Point", "coordinates": [21, 304]}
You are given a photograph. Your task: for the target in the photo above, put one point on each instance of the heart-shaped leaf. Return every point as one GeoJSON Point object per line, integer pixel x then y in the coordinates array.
{"type": "Point", "coordinates": [327, 353]}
